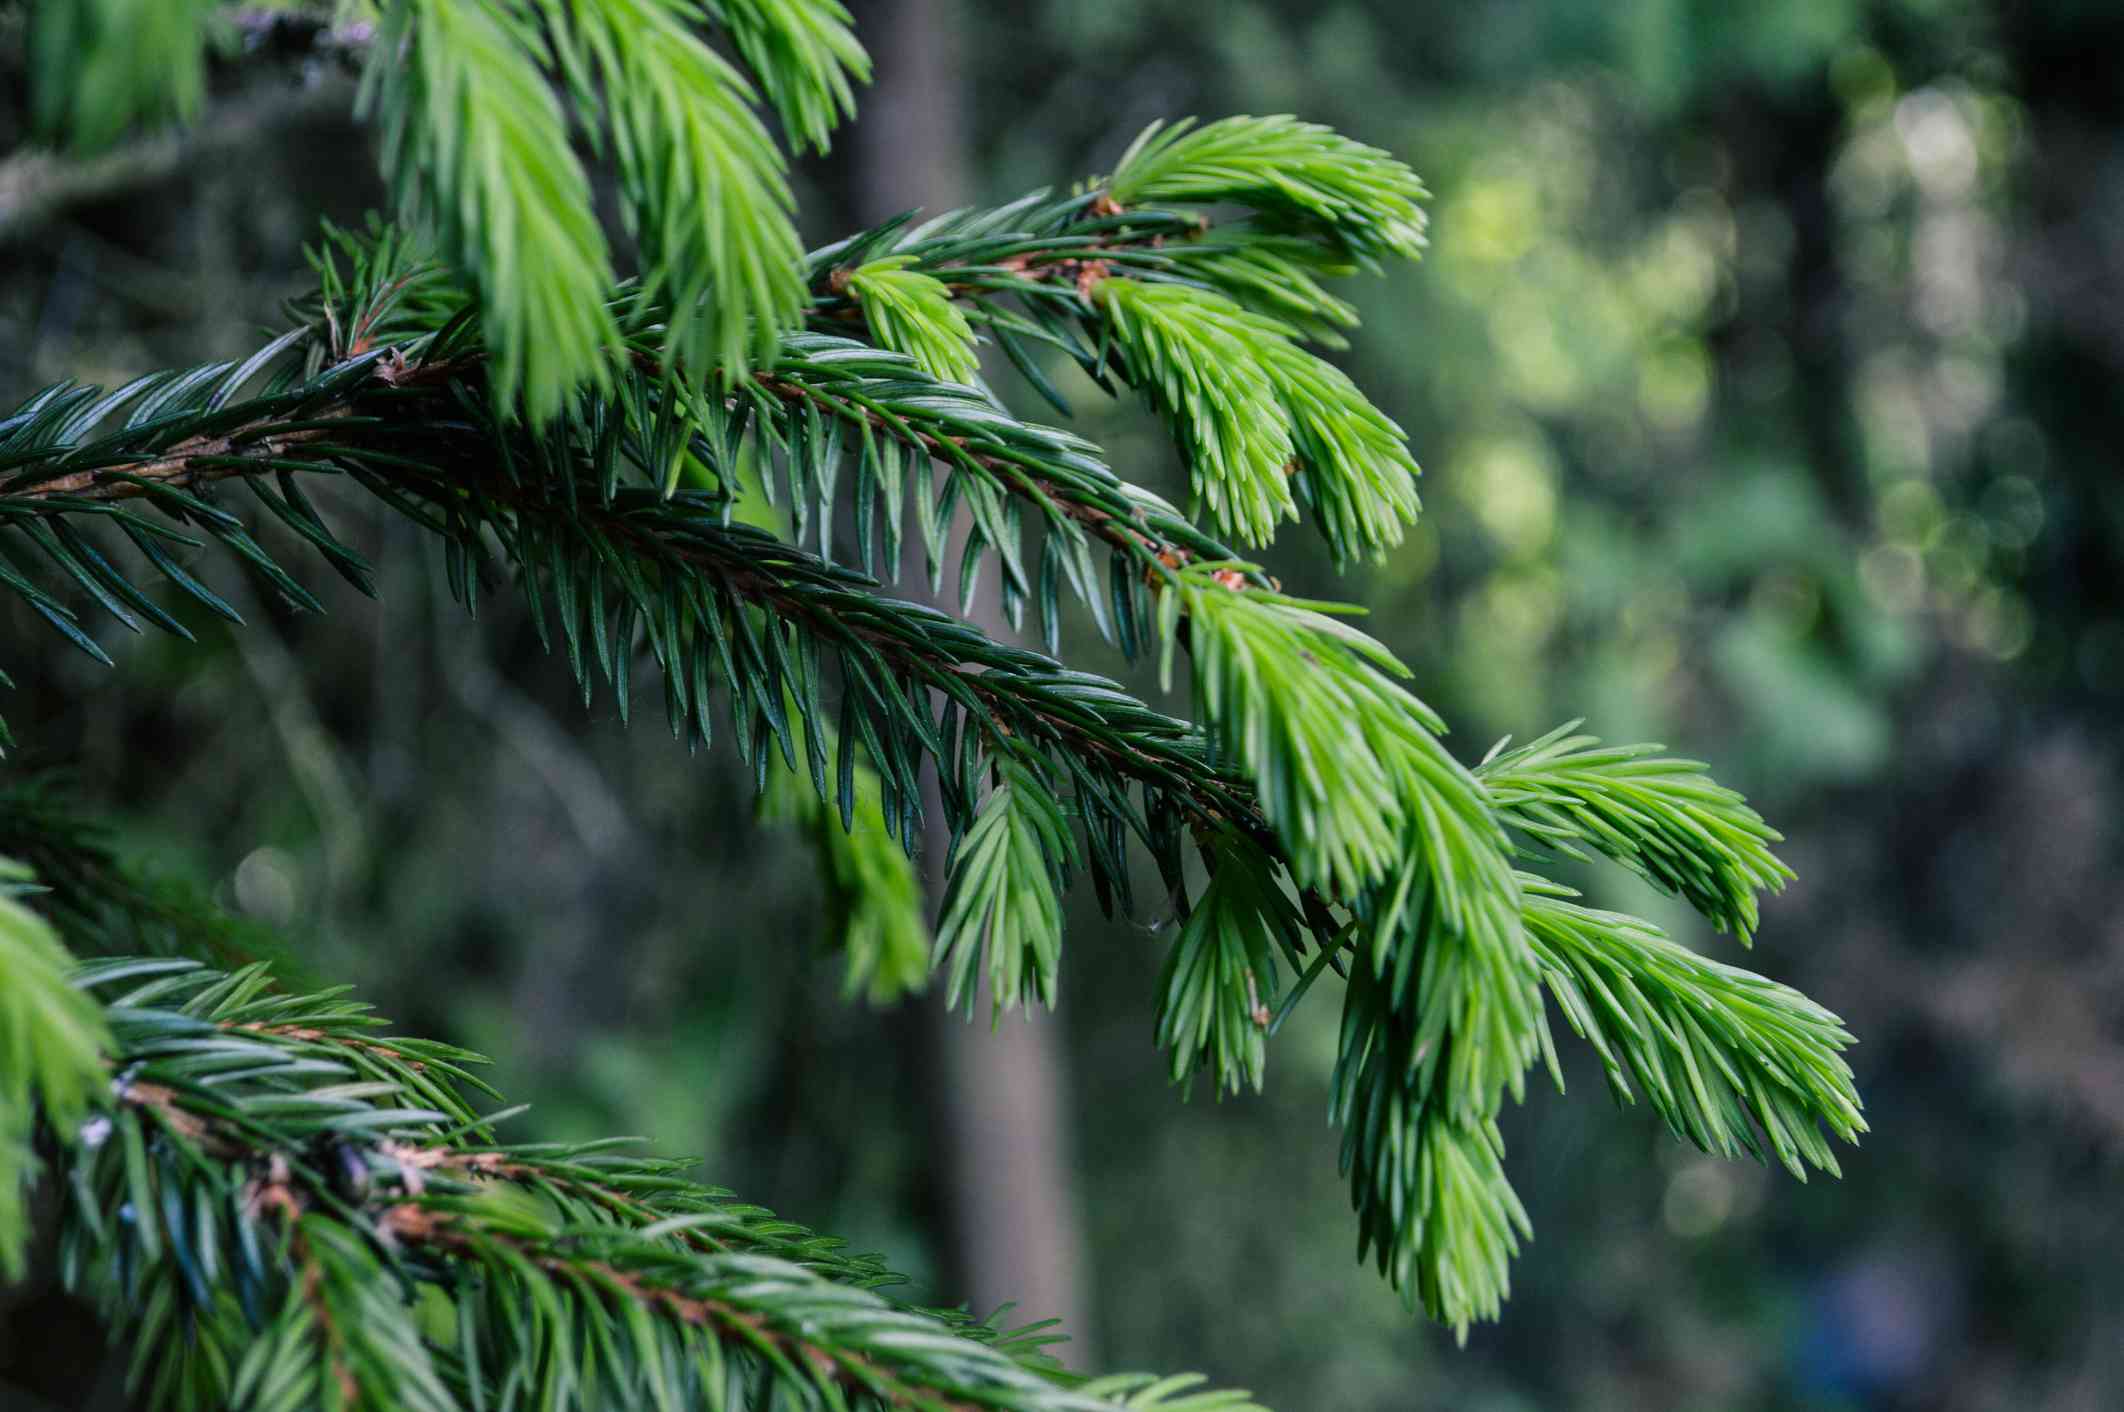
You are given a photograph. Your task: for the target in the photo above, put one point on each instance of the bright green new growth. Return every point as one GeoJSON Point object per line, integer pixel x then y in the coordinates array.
{"type": "Point", "coordinates": [1369, 202]}
{"type": "Point", "coordinates": [52, 1044]}
{"type": "Point", "coordinates": [1444, 1013]}
{"type": "Point", "coordinates": [476, 146]}
{"type": "Point", "coordinates": [97, 67]}
{"type": "Point", "coordinates": [1218, 993]}
{"type": "Point", "coordinates": [595, 443]}
{"type": "Point", "coordinates": [1665, 820]}
{"type": "Point", "coordinates": [876, 907]}
{"type": "Point", "coordinates": [1345, 764]}
{"type": "Point", "coordinates": [912, 313]}
{"type": "Point", "coordinates": [1201, 358]}
{"type": "Point", "coordinates": [706, 197]}
{"type": "Point", "coordinates": [1439, 1021]}
{"type": "Point", "coordinates": [1461, 978]}
{"type": "Point", "coordinates": [1279, 278]}
{"type": "Point", "coordinates": [806, 57]}
{"type": "Point", "coordinates": [1721, 1053]}
{"type": "Point", "coordinates": [1354, 471]}
{"type": "Point", "coordinates": [1454, 1250]}
{"type": "Point", "coordinates": [1262, 421]}
{"type": "Point", "coordinates": [1002, 896]}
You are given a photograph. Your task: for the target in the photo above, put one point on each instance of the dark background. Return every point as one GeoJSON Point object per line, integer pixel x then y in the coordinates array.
{"type": "Point", "coordinates": [1765, 371]}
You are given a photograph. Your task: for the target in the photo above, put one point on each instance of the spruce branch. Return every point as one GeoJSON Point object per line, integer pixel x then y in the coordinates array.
{"type": "Point", "coordinates": [1317, 789]}
{"type": "Point", "coordinates": [600, 568]}
{"type": "Point", "coordinates": [310, 1225]}
{"type": "Point", "coordinates": [678, 543]}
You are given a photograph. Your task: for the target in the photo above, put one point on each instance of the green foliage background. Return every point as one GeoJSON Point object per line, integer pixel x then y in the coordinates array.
{"type": "Point", "coordinates": [1760, 368]}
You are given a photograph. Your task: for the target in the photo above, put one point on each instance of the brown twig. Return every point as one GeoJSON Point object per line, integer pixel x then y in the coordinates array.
{"type": "Point", "coordinates": [316, 1036]}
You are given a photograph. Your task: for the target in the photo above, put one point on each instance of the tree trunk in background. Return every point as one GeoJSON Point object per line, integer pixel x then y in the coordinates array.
{"type": "Point", "coordinates": [1007, 1178]}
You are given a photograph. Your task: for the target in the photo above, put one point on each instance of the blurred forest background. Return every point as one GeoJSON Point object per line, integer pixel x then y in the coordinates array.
{"type": "Point", "coordinates": [1765, 371]}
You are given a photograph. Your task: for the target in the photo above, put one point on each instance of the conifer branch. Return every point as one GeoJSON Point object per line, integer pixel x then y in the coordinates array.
{"type": "Point", "coordinates": [1317, 788]}
{"type": "Point", "coordinates": [287, 1176]}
